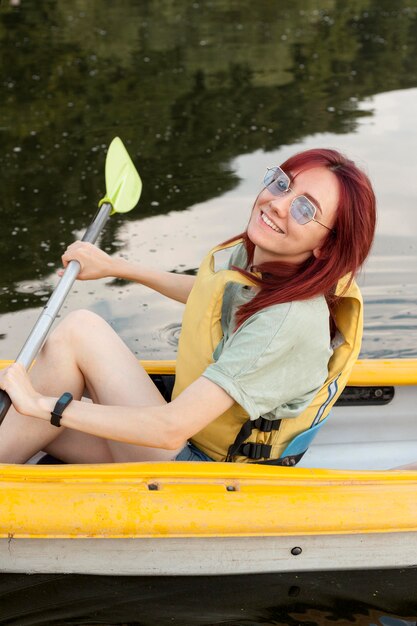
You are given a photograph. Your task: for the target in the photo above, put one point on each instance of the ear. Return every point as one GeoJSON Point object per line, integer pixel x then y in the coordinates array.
{"type": "Point", "coordinates": [317, 252]}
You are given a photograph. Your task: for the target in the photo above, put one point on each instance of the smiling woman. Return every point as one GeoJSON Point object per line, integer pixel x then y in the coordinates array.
{"type": "Point", "coordinates": [256, 364]}
{"type": "Point", "coordinates": [291, 214]}
{"type": "Point", "coordinates": [304, 260]}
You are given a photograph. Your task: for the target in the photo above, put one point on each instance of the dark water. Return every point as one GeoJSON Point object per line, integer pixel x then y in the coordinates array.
{"type": "Point", "coordinates": [205, 95]}
{"type": "Point", "coordinates": [385, 598]}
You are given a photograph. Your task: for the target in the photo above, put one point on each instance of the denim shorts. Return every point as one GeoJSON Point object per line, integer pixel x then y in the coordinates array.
{"type": "Point", "coordinates": [191, 453]}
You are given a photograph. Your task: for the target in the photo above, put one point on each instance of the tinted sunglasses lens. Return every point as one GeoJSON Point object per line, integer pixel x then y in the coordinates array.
{"type": "Point", "coordinates": [302, 210]}
{"type": "Point", "coordinates": [270, 175]}
{"type": "Point", "coordinates": [276, 181]}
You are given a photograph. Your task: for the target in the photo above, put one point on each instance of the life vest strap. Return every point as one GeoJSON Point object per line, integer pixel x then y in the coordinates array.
{"type": "Point", "coordinates": [254, 451]}
{"type": "Point", "coordinates": [286, 461]}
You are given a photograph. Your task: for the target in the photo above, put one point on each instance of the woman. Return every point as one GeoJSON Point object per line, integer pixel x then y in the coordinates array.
{"type": "Point", "coordinates": [260, 353]}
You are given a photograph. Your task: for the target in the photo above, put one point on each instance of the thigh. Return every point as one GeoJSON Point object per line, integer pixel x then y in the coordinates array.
{"type": "Point", "coordinates": [132, 387]}
{"type": "Point", "coordinates": [113, 376]}
{"type": "Point", "coordinates": [74, 447]}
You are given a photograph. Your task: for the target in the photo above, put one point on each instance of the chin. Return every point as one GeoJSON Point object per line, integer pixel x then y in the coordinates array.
{"type": "Point", "coordinates": [262, 240]}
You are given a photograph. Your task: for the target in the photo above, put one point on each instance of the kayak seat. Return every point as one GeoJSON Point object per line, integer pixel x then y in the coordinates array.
{"type": "Point", "coordinates": [48, 459]}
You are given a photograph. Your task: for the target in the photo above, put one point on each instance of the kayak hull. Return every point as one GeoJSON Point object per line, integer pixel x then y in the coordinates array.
{"type": "Point", "coordinates": [204, 518]}
{"type": "Point", "coordinates": [193, 556]}
{"type": "Point", "coordinates": [225, 518]}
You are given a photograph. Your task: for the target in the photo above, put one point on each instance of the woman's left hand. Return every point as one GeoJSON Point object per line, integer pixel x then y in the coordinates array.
{"type": "Point", "coordinates": [15, 381]}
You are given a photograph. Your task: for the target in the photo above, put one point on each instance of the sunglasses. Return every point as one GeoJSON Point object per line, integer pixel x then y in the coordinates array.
{"type": "Point", "coordinates": [302, 209]}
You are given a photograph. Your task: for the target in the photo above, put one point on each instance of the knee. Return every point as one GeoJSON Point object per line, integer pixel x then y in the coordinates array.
{"type": "Point", "coordinates": [75, 326]}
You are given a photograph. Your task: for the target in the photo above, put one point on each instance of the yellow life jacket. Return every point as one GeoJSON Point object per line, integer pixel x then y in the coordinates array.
{"type": "Point", "coordinates": [233, 436]}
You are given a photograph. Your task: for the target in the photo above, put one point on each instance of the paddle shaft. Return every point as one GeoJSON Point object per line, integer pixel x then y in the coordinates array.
{"type": "Point", "coordinates": [40, 331]}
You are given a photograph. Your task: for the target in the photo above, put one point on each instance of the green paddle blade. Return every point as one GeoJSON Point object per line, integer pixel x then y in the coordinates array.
{"type": "Point", "coordinates": [123, 183]}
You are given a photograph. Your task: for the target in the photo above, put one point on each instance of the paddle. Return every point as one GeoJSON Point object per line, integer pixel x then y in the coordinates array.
{"type": "Point", "coordinates": [123, 189]}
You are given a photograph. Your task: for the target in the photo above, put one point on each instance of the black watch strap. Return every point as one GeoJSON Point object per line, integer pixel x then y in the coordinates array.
{"type": "Point", "coordinates": [60, 407]}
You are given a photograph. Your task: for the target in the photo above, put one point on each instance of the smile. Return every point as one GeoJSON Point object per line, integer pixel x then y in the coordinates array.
{"type": "Point", "coordinates": [271, 224]}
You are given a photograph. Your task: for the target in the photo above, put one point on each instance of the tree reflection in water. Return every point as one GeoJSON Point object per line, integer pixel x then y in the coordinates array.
{"type": "Point", "coordinates": [189, 87]}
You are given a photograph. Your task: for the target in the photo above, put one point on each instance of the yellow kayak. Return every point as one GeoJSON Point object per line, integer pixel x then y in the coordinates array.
{"type": "Point", "coordinates": [223, 518]}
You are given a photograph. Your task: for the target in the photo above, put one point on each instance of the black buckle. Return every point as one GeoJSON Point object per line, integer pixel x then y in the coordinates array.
{"type": "Point", "coordinates": [255, 451]}
{"type": "Point", "coordinates": [266, 426]}
{"type": "Point", "coordinates": [238, 447]}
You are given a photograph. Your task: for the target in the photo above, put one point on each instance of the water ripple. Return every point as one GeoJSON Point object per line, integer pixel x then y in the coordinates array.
{"type": "Point", "coordinates": [169, 334]}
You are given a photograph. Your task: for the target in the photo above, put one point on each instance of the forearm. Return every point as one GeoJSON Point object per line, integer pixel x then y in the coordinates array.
{"type": "Point", "coordinates": [174, 286]}
{"type": "Point", "coordinates": [164, 426]}
{"type": "Point", "coordinates": [145, 426]}
{"type": "Point", "coordinates": [95, 263]}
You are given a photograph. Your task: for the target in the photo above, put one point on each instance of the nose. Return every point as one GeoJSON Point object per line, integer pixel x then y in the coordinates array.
{"type": "Point", "coordinates": [280, 205]}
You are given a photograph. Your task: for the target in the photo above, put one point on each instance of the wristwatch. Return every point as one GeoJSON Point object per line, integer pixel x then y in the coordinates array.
{"type": "Point", "coordinates": [59, 408]}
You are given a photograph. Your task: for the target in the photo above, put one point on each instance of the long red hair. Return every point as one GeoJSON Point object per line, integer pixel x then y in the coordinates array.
{"type": "Point", "coordinates": [343, 251]}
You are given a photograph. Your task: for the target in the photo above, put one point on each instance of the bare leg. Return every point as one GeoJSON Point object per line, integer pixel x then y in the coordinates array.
{"type": "Point", "coordinates": [72, 446]}
{"type": "Point", "coordinates": [83, 352]}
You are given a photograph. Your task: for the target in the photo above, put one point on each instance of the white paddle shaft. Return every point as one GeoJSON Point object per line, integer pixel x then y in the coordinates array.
{"type": "Point", "coordinates": [40, 331]}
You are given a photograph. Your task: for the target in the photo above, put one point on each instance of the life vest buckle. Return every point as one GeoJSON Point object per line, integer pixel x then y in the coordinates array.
{"type": "Point", "coordinates": [256, 451]}
{"type": "Point", "coordinates": [265, 425]}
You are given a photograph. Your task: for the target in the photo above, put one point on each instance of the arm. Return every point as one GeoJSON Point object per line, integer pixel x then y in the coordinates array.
{"type": "Point", "coordinates": [95, 263]}
{"type": "Point", "coordinates": [167, 426]}
{"type": "Point", "coordinates": [174, 286]}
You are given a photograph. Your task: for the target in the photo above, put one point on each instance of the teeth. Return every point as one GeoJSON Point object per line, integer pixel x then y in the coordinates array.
{"type": "Point", "coordinates": [270, 224]}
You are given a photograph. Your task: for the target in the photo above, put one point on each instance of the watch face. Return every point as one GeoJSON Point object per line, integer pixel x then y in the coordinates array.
{"type": "Point", "coordinates": [60, 406]}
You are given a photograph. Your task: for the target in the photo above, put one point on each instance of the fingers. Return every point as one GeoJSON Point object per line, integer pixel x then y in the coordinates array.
{"type": "Point", "coordinates": [73, 249]}
{"type": "Point", "coordinates": [16, 383]}
{"type": "Point", "coordinates": [78, 245]}
{"type": "Point", "coordinates": [73, 253]}
{"type": "Point", "coordinates": [14, 372]}
{"type": "Point", "coordinates": [94, 263]}
{"type": "Point", "coordinates": [15, 378]}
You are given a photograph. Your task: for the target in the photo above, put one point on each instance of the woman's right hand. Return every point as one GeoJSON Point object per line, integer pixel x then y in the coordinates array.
{"type": "Point", "coordinates": [15, 381]}
{"type": "Point", "coordinates": [94, 262]}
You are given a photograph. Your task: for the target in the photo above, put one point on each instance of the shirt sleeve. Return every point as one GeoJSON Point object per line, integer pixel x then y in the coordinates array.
{"type": "Point", "coordinates": [274, 363]}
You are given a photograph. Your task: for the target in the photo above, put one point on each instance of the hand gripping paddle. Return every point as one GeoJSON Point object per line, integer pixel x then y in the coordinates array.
{"type": "Point", "coordinates": [123, 189]}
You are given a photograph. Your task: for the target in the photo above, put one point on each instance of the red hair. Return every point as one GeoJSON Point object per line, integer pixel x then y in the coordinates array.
{"type": "Point", "coordinates": [343, 251]}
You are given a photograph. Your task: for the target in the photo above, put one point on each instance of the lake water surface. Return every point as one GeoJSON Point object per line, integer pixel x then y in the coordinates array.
{"type": "Point", "coordinates": [205, 96]}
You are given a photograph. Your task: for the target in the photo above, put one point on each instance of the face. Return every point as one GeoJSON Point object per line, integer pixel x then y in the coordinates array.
{"type": "Point", "coordinates": [274, 231]}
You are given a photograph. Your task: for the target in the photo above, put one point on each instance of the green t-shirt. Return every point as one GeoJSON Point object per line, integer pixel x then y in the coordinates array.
{"type": "Point", "coordinates": [277, 360]}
